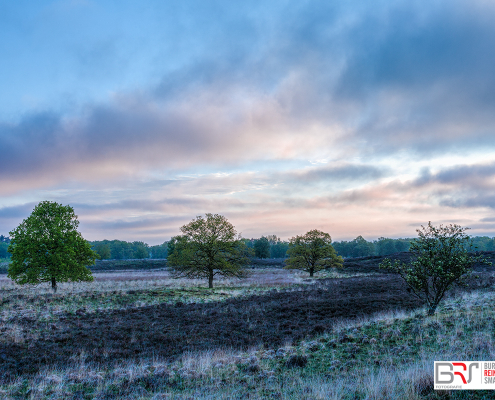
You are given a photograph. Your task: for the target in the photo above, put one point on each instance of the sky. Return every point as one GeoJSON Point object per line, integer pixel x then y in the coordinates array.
{"type": "Point", "coordinates": [351, 117]}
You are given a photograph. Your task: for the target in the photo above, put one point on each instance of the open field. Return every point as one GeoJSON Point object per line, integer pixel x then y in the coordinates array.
{"type": "Point", "coordinates": [121, 289]}
{"type": "Point", "coordinates": [276, 334]}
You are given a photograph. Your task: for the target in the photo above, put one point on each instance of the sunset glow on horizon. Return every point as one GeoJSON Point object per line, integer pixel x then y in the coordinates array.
{"type": "Point", "coordinates": [355, 118]}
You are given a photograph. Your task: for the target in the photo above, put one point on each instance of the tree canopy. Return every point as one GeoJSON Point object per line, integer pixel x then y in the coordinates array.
{"type": "Point", "coordinates": [4, 239]}
{"type": "Point", "coordinates": [441, 259]}
{"type": "Point", "coordinates": [278, 248]}
{"type": "Point", "coordinates": [312, 252]}
{"type": "Point", "coordinates": [3, 250]}
{"type": "Point", "coordinates": [46, 247]}
{"type": "Point", "coordinates": [262, 248]}
{"type": "Point", "coordinates": [207, 247]}
{"type": "Point", "coordinates": [121, 250]}
{"type": "Point", "coordinates": [360, 247]}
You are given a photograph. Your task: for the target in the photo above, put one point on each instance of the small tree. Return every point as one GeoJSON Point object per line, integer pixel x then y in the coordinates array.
{"type": "Point", "coordinates": [262, 248]}
{"type": "Point", "coordinates": [312, 252]}
{"type": "Point", "coordinates": [208, 247]}
{"type": "Point", "coordinates": [46, 247]}
{"type": "Point", "coordinates": [441, 259]}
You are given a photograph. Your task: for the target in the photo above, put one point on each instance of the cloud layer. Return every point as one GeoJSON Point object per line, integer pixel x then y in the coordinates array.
{"type": "Point", "coordinates": [282, 115]}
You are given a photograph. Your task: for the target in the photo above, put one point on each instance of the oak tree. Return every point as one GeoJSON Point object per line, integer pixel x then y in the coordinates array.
{"type": "Point", "coordinates": [46, 247]}
{"type": "Point", "coordinates": [312, 252]}
{"type": "Point", "coordinates": [208, 247]}
{"type": "Point", "coordinates": [262, 248]}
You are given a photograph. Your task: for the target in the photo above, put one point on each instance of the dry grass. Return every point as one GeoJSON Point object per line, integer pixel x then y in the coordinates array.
{"type": "Point", "coordinates": [142, 280]}
{"type": "Point", "coordinates": [222, 373]}
{"type": "Point", "coordinates": [462, 329]}
{"type": "Point", "coordinates": [39, 301]}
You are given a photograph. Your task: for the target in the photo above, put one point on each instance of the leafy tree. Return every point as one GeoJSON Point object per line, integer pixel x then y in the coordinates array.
{"type": "Point", "coordinates": [262, 248]}
{"type": "Point", "coordinates": [358, 247]}
{"type": "Point", "coordinates": [384, 246]}
{"type": "Point", "coordinates": [207, 247]}
{"type": "Point", "coordinates": [3, 250]}
{"type": "Point", "coordinates": [46, 247]}
{"type": "Point", "coordinates": [362, 248]}
{"type": "Point", "coordinates": [402, 244]}
{"type": "Point", "coordinates": [120, 249]}
{"type": "Point", "coordinates": [342, 248]}
{"type": "Point", "coordinates": [279, 249]}
{"type": "Point", "coordinates": [249, 243]}
{"type": "Point", "coordinates": [483, 243]}
{"type": "Point", "coordinates": [312, 252]}
{"type": "Point", "coordinates": [103, 251]}
{"type": "Point", "coordinates": [140, 250]}
{"type": "Point", "coordinates": [273, 239]}
{"type": "Point", "coordinates": [441, 259]}
{"type": "Point", "coordinates": [159, 251]}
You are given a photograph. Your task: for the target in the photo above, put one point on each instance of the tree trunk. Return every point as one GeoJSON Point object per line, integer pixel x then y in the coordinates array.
{"type": "Point", "coordinates": [431, 309]}
{"type": "Point", "coordinates": [54, 285]}
{"type": "Point", "coordinates": [311, 272]}
{"type": "Point", "coordinates": [210, 280]}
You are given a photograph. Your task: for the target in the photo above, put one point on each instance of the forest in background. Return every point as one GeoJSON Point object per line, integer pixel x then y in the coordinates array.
{"type": "Point", "coordinates": [4, 244]}
{"type": "Point", "coordinates": [269, 246]}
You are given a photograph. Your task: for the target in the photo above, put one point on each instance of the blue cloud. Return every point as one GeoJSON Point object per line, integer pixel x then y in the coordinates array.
{"type": "Point", "coordinates": [21, 211]}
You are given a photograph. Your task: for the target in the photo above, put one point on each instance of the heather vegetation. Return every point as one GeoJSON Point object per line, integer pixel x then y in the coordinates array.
{"type": "Point", "coordinates": [323, 327]}
{"type": "Point", "coordinates": [275, 334]}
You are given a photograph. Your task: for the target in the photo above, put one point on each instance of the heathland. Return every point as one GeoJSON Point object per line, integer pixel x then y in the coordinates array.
{"type": "Point", "coordinates": [354, 333]}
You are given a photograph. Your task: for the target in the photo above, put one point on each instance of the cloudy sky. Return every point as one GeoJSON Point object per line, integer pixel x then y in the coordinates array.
{"type": "Point", "coordinates": [354, 117]}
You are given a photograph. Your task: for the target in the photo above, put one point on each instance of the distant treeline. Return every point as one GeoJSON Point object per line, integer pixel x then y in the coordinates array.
{"type": "Point", "coordinates": [122, 250]}
{"type": "Point", "coordinates": [265, 247]}
{"type": "Point", "coordinates": [269, 246]}
{"type": "Point", "coordinates": [4, 244]}
{"type": "Point", "coordinates": [360, 247]}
